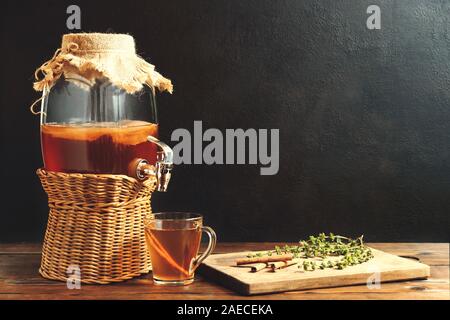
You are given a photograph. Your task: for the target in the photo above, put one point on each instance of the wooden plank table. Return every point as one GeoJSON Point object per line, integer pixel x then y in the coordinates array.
{"type": "Point", "coordinates": [19, 279]}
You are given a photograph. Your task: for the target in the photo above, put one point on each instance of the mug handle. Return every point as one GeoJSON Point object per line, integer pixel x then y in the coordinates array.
{"type": "Point", "coordinates": [211, 245]}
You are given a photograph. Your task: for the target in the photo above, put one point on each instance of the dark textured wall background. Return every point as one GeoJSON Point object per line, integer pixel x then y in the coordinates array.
{"type": "Point", "coordinates": [364, 116]}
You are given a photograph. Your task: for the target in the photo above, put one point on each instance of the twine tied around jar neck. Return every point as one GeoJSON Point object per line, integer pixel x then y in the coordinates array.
{"type": "Point", "coordinates": [100, 55]}
{"type": "Point", "coordinates": [49, 69]}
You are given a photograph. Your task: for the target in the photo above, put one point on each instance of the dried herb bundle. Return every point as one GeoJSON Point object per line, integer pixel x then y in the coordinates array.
{"type": "Point", "coordinates": [322, 247]}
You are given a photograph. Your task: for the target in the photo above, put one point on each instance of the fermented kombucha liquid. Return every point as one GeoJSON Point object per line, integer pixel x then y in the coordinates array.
{"type": "Point", "coordinates": [97, 147]}
{"type": "Point", "coordinates": [172, 252]}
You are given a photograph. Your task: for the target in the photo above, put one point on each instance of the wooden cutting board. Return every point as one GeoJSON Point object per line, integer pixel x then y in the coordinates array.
{"type": "Point", "coordinates": [384, 266]}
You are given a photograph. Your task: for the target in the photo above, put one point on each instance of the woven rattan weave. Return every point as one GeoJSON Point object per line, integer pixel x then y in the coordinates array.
{"type": "Point", "coordinates": [96, 224]}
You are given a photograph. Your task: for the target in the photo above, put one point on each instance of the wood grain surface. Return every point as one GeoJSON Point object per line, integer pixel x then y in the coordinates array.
{"type": "Point", "coordinates": [19, 279]}
{"type": "Point", "coordinates": [389, 267]}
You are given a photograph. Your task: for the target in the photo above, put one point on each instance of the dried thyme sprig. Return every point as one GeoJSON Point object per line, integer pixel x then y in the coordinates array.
{"type": "Point", "coordinates": [353, 251]}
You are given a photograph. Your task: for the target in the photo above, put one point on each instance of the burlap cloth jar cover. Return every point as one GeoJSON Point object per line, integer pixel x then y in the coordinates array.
{"type": "Point", "coordinates": [96, 221]}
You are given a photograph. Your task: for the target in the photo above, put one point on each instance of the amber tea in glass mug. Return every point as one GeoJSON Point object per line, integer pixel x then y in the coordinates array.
{"type": "Point", "coordinates": [173, 239]}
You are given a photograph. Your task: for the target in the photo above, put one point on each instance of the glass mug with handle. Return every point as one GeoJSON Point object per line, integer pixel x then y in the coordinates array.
{"type": "Point", "coordinates": [173, 239]}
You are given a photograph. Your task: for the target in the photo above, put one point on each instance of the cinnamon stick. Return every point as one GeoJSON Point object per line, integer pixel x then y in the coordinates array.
{"type": "Point", "coordinates": [254, 267]}
{"type": "Point", "coordinates": [265, 259]}
{"type": "Point", "coordinates": [281, 264]}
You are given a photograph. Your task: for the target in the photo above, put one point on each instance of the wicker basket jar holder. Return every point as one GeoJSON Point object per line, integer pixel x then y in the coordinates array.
{"type": "Point", "coordinates": [96, 224]}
